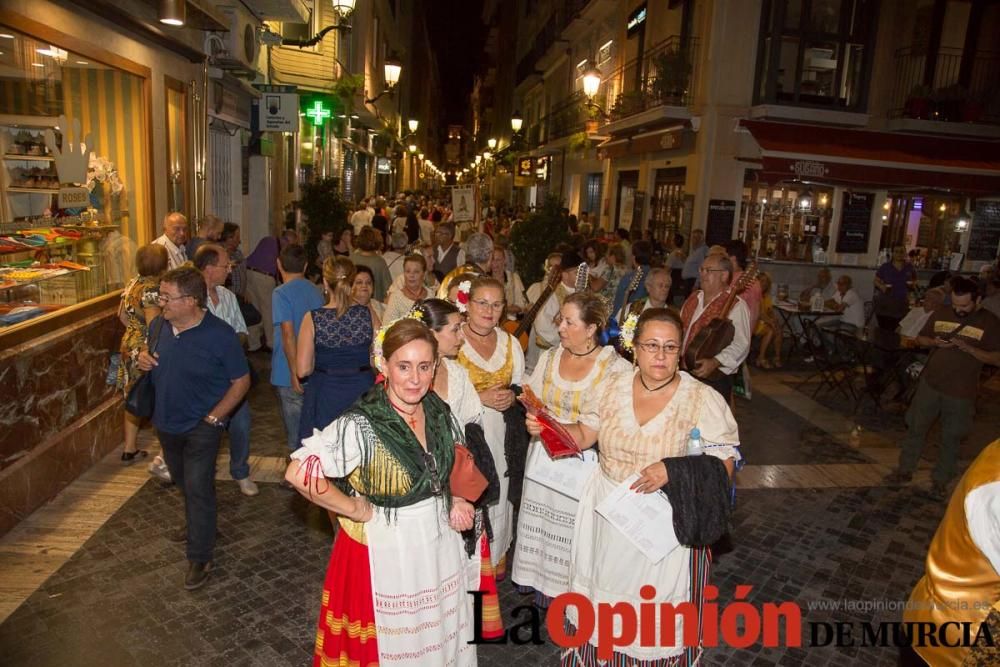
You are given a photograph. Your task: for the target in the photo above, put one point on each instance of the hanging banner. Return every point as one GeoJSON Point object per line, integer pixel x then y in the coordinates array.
{"type": "Point", "coordinates": [463, 204]}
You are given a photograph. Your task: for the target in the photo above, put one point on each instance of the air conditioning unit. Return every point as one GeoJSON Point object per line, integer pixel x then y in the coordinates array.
{"type": "Point", "coordinates": [237, 49]}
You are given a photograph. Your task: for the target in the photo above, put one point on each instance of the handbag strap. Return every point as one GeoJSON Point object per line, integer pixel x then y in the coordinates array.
{"type": "Point", "coordinates": [156, 337]}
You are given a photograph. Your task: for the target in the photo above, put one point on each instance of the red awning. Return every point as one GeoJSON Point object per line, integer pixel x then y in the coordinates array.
{"type": "Point", "coordinates": [875, 159]}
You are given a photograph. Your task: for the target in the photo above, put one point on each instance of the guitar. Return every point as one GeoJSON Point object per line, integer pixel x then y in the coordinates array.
{"type": "Point", "coordinates": [718, 334]}
{"type": "Point", "coordinates": [521, 329]}
{"type": "Point", "coordinates": [582, 277]}
{"type": "Point", "coordinates": [629, 291]}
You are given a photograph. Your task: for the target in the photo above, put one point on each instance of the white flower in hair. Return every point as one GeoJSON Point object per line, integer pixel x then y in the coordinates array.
{"type": "Point", "coordinates": [627, 335]}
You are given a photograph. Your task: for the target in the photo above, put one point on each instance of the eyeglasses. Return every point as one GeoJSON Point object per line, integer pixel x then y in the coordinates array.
{"type": "Point", "coordinates": [432, 467]}
{"type": "Point", "coordinates": [486, 304]}
{"type": "Point", "coordinates": [655, 348]}
{"type": "Point", "coordinates": [166, 298]}
{"type": "Point", "coordinates": [704, 270]}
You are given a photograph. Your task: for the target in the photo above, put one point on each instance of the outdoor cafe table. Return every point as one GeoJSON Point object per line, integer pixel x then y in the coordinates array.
{"type": "Point", "coordinates": [791, 311]}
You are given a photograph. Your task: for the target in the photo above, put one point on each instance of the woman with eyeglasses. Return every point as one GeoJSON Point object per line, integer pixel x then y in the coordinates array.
{"type": "Point", "coordinates": [567, 379]}
{"type": "Point", "coordinates": [333, 348]}
{"type": "Point", "coordinates": [398, 547]}
{"type": "Point", "coordinates": [495, 364]}
{"type": "Point", "coordinates": [645, 420]}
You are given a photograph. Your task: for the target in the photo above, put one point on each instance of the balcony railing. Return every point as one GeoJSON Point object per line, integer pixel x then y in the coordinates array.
{"type": "Point", "coordinates": [938, 94]}
{"type": "Point", "coordinates": [665, 75]}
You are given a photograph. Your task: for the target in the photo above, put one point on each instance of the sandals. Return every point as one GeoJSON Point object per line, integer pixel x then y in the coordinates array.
{"type": "Point", "coordinates": [128, 458]}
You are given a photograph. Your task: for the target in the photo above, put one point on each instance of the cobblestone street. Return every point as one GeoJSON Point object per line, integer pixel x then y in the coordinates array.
{"type": "Point", "coordinates": [812, 523]}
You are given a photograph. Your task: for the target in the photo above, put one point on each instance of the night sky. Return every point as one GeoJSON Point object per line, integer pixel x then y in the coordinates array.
{"type": "Point", "coordinates": [457, 34]}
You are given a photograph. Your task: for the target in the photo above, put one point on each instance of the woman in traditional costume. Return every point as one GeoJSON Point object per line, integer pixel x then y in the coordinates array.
{"type": "Point", "coordinates": [495, 363]}
{"type": "Point", "coordinates": [646, 418]}
{"type": "Point", "coordinates": [568, 380]}
{"type": "Point", "coordinates": [451, 383]}
{"type": "Point", "coordinates": [396, 587]}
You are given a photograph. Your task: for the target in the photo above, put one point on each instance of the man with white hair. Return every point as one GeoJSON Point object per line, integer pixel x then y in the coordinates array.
{"type": "Point", "coordinates": [394, 256]}
{"type": "Point", "coordinates": [657, 288]}
{"type": "Point", "coordinates": [174, 239]}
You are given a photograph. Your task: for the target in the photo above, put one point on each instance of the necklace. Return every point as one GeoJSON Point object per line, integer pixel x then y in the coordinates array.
{"type": "Point", "coordinates": [413, 296]}
{"type": "Point", "coordinates": [412, 415]}
{"type": "Point", "coordinates": [656, 389]}
{"type": "Point", "coordinates": [577, 354]}
{"type": "Point", "coordinates": [481, 335]}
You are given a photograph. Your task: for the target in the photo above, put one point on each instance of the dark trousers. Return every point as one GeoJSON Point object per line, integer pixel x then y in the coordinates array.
{"type": "Point", "coordinates": [191, 459]}
{"type": "Point", "coordinates": [956, 422]}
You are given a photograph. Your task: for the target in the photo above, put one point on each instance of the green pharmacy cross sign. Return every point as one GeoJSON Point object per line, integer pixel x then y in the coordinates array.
{"type": "Point", "coordinates": [318, 113]}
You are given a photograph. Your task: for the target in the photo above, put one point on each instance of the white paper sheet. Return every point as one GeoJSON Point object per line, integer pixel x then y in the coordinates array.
{"type": "Point", "coordinates": [566, 476]}
{"type": "Point", "coordinates": [645, 519]}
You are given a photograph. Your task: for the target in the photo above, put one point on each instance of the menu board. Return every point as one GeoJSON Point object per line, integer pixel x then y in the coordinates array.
{"type": "Point", "coordinates": [985, 234]}
{"type": "Point", "coordinates": [855, 222]}
{"type": "Point", "coordinates": [721, 214]}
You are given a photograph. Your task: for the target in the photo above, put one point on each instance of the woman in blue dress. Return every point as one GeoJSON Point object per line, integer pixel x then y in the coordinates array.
{"type": "Point", "coordinates": [333, 351]}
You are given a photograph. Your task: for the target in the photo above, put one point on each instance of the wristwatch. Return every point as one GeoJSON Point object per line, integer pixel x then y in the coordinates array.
{"type": "Point", "coordinates": [215, 421]}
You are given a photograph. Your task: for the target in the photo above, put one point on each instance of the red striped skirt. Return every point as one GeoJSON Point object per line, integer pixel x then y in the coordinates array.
{"type": "Point", "coordinates": [346, 634]}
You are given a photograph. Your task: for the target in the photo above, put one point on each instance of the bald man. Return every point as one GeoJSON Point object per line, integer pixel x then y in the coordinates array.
{"type": "Point", "coordinates": [174, 239]}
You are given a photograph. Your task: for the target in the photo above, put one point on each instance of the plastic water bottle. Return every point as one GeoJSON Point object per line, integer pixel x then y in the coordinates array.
{"type": "Point", "coordinates": [694, 443]}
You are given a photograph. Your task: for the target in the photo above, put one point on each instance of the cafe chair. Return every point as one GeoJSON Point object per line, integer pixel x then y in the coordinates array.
{"type": "Point", "coordinates": [833, 373]}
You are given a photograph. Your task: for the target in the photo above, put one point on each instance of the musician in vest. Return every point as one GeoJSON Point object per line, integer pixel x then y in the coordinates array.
{"type": "Point", "coordinates": [658, 284]}
{"type": "Point", "coordinates": [962, 579]}
{"type": "Point", "coordinates": [705, 305]}
{"type": "Point", "coordinates": [447, 254]}
{"type": "Point", "coordinates": [477, 255]}
{"type": "Point", "coordinates": [545, 331]}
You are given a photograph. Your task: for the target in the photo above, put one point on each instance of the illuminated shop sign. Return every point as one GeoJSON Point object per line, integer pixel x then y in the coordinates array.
{"type": "Point", "coordinates": [636, 19]}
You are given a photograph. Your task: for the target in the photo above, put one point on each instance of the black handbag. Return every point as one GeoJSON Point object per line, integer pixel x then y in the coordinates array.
{"type": "Point", "coordinates": [141, 397]}
{"type": "Point", "coordinates": [251, 316]}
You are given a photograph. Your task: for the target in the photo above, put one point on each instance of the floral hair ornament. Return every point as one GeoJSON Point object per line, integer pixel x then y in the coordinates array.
{"type": "Point", "coordinates": [378, 360]}
{"type": "Point", "coordinates": [628, 332]}
{"type": "Point", "coordinates": [462, 296]}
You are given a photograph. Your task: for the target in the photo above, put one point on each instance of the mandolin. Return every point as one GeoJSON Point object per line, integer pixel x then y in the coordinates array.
{"type": "Point", "coordinates": [520, 329]}
{"type": "Point", "coordinates": [718, 334]}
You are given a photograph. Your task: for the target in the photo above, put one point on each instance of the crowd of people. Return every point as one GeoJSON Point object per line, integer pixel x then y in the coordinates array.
{"type": "Point", "coordinates": [411, 411]}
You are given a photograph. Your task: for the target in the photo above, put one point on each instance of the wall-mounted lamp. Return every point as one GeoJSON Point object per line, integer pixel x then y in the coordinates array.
{"type": "Point", "coordinates": [492, 143]}
{"type": "Point", "coordinates": [413, 124]}
{"type": "Point", "coordinates": [343, 7]}
{"type": "Point", "coordinates": [173, 12]}
{"type": "Point", "coordinates": [413, 148]}
{"type": "Point", "coordinates": [806, 200]}
{"type": "Point", "coordinates": [516, 122]}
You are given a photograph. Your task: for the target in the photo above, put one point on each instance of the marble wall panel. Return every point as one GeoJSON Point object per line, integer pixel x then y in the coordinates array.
{"type": "Point", "coordinates": [52, 465]}
{"type": "Point", "coordinates": [48, 383]}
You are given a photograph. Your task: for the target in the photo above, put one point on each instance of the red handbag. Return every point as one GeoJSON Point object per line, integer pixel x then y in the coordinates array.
{"type": "Point", "coordinates": [466, 480]}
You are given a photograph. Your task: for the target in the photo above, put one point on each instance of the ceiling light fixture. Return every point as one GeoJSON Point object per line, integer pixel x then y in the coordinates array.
{"type": "Point", "coordinates": [173, 12]}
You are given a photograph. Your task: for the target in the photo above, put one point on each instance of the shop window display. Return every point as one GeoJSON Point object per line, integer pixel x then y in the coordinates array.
{"type": "Point", "coordinates": [925, 225]}
{"type": "Point", "coordinates": [787, 221]}
{"type": "Point", "coordinates": [69, 218]}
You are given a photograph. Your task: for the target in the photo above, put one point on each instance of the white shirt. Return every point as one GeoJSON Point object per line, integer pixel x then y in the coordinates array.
{"type": "Point", "coordinates": [982, 513]}
{"type": "Point", "coordinates": [911, 325]}
{"type": "Point", "coordinates": [734, 355]}
{"type": "Point", "coordinates": [545, 326]}
{"type": "Point", "coordinates": [394, 262]}
{"type": "Point", "coordinates": [228, 309]}
{"type": "Point", "coordinates": [361, 219]}
{"type": "Point", "coordinates": [854, 313]}
{"type": "Point", "coordinates": [439, 254]}
{"type": "Point", "coordinates": [176, 255]}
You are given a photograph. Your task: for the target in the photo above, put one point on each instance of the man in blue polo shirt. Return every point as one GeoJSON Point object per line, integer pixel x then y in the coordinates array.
{"type": "Point", "coordinates": [200, 376]}
{"type": "Point", "coordinates": [289, 304]}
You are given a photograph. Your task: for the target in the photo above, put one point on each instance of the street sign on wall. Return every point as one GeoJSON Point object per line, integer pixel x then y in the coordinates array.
{"type": "Point", "coordinates": [278, 109]}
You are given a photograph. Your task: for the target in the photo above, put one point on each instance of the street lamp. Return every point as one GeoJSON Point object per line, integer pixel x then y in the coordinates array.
{"type": "Point", "coordinates": [343, 7]}
{"type": "Point", "coordinates": [478, 159]}
{"type": "Point", "coordinates": [492, 143]}
{"type": "Point", "coordinates": [487, 155]}
{"type": "Point", "coordinates": [392, 69]}
{"type": "Point", "coordinates": [413, 148]}
{"type": "Point", "coordinates": [420, 157]}
{"type": "Point", "coordinates": [591, 82]}
{"type": "Point", "coordinates": [516, 122]}
{"type": "Point", "coordinates": [413, 124]}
